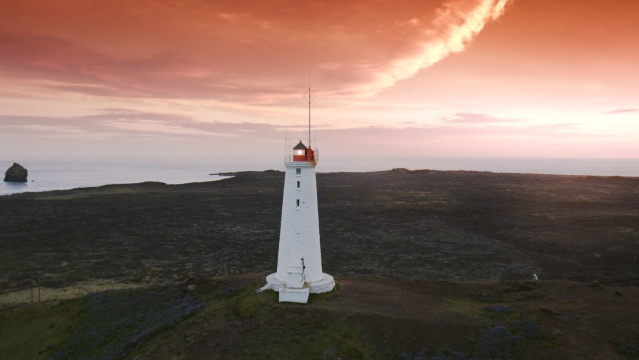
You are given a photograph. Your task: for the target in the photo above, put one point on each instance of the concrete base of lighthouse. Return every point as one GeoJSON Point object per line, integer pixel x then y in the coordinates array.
{"type": "Point", "coordinates": [326, 284]}
{"type": "Point", "coordinates": [294, 295]}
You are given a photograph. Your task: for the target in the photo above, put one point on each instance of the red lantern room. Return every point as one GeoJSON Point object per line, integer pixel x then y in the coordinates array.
{"type": "Point", "coordinates": [302, 153]}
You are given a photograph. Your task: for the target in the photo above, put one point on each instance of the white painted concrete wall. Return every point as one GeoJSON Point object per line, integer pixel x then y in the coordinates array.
{"type": "Point", "coordinates": [299, 231]}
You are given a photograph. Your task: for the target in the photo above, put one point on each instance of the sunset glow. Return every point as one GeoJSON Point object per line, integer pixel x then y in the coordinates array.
{"type": "Point", "coordinates": [195, 78]}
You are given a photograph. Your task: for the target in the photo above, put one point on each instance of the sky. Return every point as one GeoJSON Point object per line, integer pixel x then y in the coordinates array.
{"type": "Point", "coordinates": [201, 79]}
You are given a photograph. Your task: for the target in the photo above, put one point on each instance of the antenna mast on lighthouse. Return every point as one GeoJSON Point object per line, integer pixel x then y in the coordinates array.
{"type": "Point", "coordinates": [309, 95]}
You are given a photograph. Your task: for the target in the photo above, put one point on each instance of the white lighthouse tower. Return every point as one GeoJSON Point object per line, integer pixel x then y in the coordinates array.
{"type": "Point", "coordinates": [299, 260]}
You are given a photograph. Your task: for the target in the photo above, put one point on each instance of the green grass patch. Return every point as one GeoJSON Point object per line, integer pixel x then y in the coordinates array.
{"type": "Point", "coordinates": [246, 304]}
{"type": "Point", "coordinates": [115, 322]}
{"type": "Point", "coordinates": [494, 313]}
{"type": "Point", "coordinates": [467, 307]}
{"type": "Point", "coordinates": [311, 334]}
{"type": "Point", "coordinates": [288, 330]}
{"type": "Point", "coordinates": [37, 331]}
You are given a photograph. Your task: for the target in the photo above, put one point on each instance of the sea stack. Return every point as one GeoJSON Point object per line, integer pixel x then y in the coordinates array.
{"type": "Point", "coordinates": [16, 173]}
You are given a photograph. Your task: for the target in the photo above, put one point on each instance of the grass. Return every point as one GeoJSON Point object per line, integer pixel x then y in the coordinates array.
{"type": "Point", "coordinates": [510, 333]}
{"type": "Point", "coordinates": [466, 307]}
{"type": "Point", "coordinates": [308, 335]}
{"type": "Point", "coordinates": [295, 331]}
{"type": "Point", "coordinates": [509, 342]}
{"type": "Point", "coordinates": [246, 304]}
{"type": "Point", "coordinates": [277, 330]}
{"type": "Point", "coordinates": [495, 343]}
{"type": "Point", "coordinates": [241, 324]}
{"type": "Point", "coordinates": [626, 348]}
{"type": "Point", "coordinates": [115, 322]}
{"type": "Point", "coordinates": [37, 331]}
{"type": "Point", "coordinates": [478, 307]}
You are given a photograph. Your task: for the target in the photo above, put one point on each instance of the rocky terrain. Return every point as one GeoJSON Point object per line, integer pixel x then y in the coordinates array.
{"type": "Point", "coordinates": [429, 265]}
{"type": "Point", "coordinates": [399, 224]}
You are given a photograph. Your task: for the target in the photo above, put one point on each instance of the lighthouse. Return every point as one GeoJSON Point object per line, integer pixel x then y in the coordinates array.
{"type": "Point", "coordinates": [299, 259]}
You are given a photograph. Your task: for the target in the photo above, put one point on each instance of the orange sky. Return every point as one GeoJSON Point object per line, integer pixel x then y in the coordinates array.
{"type": "Point", "coordinates": [196, 78]}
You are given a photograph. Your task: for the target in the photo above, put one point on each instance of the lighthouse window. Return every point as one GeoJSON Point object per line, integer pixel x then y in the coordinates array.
{"type": "Point", "coordinates": [298, 184]}
{"type": "Point", "coordinates": [298, 202]}
{"type": "Point", "coordinates": [298, 171]}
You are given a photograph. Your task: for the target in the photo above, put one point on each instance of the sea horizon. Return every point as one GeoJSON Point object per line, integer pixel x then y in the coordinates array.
{"type": "Point", "coordinates": [64, 174]}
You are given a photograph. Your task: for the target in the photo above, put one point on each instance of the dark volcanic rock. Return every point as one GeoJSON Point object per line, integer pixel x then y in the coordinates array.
{"type": "Point", "coordinates": [408, 225]}
{"type": "Point", "coordinates": [16, 173]}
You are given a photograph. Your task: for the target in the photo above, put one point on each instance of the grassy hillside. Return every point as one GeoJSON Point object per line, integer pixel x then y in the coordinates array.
{"type": "Point", "coordinates": [361, 319]}
{"type": "Point", "coordinates": [35, 331]}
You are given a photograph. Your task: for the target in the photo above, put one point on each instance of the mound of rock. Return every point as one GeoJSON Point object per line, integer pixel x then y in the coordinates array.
{"type": "Point", "coordinates": [16, 173]}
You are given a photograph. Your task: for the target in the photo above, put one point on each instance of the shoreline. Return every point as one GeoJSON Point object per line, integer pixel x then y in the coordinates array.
{"type": "Point", "coordinates": [225, 175]}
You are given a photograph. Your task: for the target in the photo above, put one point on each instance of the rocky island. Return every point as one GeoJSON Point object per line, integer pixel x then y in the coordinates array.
{"type": "Point", "coordinates": [16, 173]}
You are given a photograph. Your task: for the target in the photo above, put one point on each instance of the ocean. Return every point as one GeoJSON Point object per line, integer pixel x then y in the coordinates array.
{"type": "Point", "coordinates": [70, 174]}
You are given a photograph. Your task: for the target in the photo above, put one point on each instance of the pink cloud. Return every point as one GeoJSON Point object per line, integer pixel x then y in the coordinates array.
{"type": "Point", "coordinates": [621, 111]}
{"type": "Point", "coordinates": [126, 120]}
{"type": "Point", "coordinates": [169, 132]}
{"type": "Point", "coordinates": [475, 118]}
{"type": "Point", "coordinates": [237, 51]}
